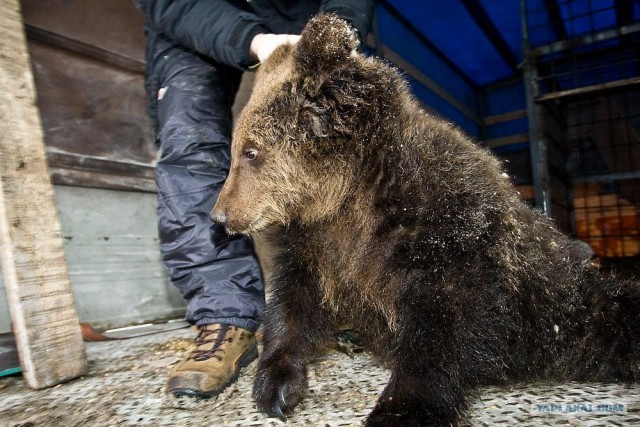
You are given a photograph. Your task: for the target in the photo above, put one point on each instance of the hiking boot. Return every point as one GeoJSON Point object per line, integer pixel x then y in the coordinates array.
{"type": "Point", "coordinates": [221, 350]}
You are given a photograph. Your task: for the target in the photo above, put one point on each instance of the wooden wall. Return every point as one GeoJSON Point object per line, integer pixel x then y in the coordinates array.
{"type": "Point", "coordinates": [111, 248]}
{"type": "Point", "coordinates": [87, 58]}
{"type": "Point", "coordinates": [88, 64]}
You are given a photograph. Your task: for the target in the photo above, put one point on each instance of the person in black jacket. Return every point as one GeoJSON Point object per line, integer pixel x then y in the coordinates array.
{"type": "Point", "coordinates": [196, 53]}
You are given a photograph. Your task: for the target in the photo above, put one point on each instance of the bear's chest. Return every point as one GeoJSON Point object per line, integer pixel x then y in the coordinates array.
{"type": "Point", "coordinates": [354, 284]}
{"type": "Point", "coordinates": [350, 266]}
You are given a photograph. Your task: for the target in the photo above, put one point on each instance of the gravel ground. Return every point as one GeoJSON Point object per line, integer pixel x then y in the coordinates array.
{"type": "Point", "coordinates": [125, 381]}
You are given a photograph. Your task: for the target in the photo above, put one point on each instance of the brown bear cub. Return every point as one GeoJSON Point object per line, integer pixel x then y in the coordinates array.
{"type": "Point", "coordinates": [393, 221]}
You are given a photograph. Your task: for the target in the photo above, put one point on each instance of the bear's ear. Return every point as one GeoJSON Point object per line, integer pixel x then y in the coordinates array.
{"type": "Point", "coordinates": [315, 120]}
{"type": "Point", "coordinates": [325, 46]}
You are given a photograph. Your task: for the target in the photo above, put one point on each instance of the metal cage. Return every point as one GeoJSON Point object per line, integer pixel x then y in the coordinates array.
{"type": "Point", "coordinates": [582, 74]}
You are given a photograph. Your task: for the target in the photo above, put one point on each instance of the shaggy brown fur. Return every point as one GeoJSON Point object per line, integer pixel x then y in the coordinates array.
{"type": "Point", "coordinates": [393, 221]}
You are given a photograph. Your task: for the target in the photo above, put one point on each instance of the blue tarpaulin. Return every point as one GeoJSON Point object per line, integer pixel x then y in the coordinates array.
{"type": "Point", "coordinates": [470, 52]}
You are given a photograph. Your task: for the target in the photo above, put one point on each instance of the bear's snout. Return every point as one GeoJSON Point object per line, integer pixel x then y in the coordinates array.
{"type": "Point", "coordinates": [218, 217]}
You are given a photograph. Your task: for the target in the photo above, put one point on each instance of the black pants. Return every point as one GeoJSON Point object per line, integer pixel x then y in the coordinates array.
{"type": "Point", "coordinates": [217, 274]}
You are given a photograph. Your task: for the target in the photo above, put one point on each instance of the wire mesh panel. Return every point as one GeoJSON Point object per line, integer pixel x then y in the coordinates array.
{"type": "Point", "coordinates": [583, 46]}
{"type": "Point", "coordinates": [585, 57]}
{"type": "Point", "coordinates": [604, 163]}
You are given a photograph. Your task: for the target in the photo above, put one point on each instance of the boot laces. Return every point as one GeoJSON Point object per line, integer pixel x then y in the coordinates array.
{"type": "Point", "coordinates": [218, 340]}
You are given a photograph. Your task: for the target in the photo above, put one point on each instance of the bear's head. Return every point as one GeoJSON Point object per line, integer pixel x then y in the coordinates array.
{"type": "Point", "coordinates": [301, 139]}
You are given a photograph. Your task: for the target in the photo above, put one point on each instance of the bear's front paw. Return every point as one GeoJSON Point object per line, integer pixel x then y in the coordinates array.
{"type": "Point", "coordinates": [280, 384]}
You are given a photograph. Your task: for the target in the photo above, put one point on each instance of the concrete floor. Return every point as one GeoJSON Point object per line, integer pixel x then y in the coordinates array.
{"type": "Point", "coordinates": [125, 381]}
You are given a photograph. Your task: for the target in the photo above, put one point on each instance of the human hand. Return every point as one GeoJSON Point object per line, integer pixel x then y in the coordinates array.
{"type": "Point", "coordinates": [263, 45]}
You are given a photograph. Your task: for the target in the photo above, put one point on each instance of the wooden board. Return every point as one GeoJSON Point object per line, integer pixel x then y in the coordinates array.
{"type": "Point", "coordinates": [88, 65]}
{"type": "Point", "coordinates": [114, 26]}
{"type": "Point", "coordinates": [35, 275]}
{"type": "Point", "coordinates": [91, 108]}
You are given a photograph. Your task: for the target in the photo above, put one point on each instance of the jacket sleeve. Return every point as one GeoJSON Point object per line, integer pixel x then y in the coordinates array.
{"type": "Point", "coordinates": [357, 12]}
{"type": "Point", "coordinates": [216, 29]}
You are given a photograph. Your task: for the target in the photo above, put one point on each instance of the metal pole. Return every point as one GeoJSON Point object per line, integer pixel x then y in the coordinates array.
{"type": "Point", "coordinates": [537, 141]}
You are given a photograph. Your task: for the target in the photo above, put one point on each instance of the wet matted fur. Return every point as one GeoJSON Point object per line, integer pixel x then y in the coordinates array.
{"type": "Point", "coordinates": [393, 221]}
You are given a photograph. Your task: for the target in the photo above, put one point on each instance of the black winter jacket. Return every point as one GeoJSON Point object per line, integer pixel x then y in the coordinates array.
{"type": "Point", "coordinates": [223, 29]}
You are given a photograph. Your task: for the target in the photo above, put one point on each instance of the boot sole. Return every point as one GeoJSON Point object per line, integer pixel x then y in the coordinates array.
{"type": "Point", "coordinates": [244, 361]}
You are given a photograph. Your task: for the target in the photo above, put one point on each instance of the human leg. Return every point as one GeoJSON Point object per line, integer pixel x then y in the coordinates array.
{"type": "Point", "coordinates": [217, 274]}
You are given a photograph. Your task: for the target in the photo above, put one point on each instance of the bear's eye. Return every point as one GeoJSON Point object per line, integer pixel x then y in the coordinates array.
{"type": "Point", "coordinates": [251, 154]}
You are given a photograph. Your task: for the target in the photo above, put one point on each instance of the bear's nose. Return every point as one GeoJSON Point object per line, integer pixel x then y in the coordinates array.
{"type": "Point", "coordinates": [218, 217]}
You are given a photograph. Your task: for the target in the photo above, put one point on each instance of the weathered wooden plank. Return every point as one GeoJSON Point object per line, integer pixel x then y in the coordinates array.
{"type": "Point", "coordinates": [112, 58]}
{"type": "Point", "coordinates": [113, 257]}
{"type": "Point", "coordinates": [88, 65]}
{"type": "Point", "coordinates": [83, 162]}
{"type": "Point", "coordinates": [113, 26]}
{"type": "Point", "coordinates": [91, 108]}
{"type": "Point", "coordinates": [98, 172]}
{"type": "Point", "coordinates": [35, 274]}
{"type": "Point", "coordinates": [107, 181]}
